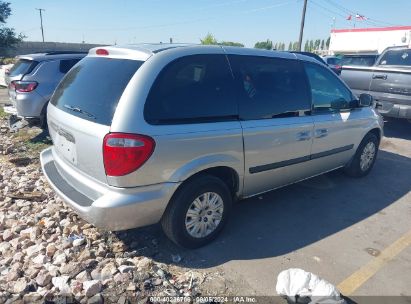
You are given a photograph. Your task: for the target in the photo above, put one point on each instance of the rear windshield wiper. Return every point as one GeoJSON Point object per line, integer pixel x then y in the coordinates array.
{"type": "Point", "coordinates": [77, 109]}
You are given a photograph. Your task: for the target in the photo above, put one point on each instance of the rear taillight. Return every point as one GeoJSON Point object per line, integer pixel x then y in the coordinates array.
{"type": "Point", "coordinates": [23, 86]}
{"type": "Point", "coordinates": [124, 153]}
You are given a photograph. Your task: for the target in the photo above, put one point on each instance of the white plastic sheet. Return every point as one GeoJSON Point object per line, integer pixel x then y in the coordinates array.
{"type": "Point", "coordinates": [296, 283]}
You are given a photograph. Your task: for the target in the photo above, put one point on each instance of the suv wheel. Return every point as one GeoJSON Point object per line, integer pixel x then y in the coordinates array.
{"type": "Point", "coordinates": [197, 212]}
{"type": "Point", "coordinates": [364, 158]}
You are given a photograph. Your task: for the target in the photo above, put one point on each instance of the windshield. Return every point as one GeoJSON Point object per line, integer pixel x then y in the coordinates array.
{"type": "Point", "coordinates": [93, 87]}
{"type": "Point", "coordinates": [397, 57]}
{"type": "Point", "coordinates": [22, 66]}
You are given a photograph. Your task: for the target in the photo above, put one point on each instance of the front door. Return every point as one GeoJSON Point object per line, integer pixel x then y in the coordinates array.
{"type": "Point", "coordinates": [338, 121]}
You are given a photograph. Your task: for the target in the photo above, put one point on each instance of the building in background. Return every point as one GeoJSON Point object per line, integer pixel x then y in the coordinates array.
{"type": "Point", "coordinates": [368, 40]}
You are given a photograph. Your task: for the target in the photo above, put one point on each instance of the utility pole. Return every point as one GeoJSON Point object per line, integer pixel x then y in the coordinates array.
{"type": "Point", "coordinates": [41, 21]}
{"type": "Point", "coordinates": [300, 41]}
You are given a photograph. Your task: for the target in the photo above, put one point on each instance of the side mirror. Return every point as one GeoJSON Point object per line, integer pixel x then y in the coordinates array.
{"type": "Point", "coordinates": [365, 100]}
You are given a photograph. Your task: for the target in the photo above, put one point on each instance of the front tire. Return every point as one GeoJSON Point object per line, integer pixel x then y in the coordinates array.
{"type": "Point", "coordinates": [197, 212]}
{"type": "Point", "coordinates": [364, 157]}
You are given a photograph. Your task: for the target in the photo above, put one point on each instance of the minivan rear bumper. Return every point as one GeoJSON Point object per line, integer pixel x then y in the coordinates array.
{"type": "Point", "coordinates": [114, 208]}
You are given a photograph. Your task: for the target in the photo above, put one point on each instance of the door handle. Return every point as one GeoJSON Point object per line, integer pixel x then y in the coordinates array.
{"type": "Point", "coordinates": [319, 133]}
{"type": "Point", "coordinates": [379, 76]}
{"type": "Point", "coordinates": [304, 135]}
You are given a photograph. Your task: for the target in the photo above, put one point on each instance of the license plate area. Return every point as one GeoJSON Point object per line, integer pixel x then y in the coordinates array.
{"type": "Point", "coordinates": [65, 147]}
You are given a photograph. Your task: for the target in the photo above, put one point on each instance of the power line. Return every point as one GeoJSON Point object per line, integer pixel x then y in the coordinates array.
{"type": "Point", "coordinates": [340, 14]}
{"type": "Point", "coordinates": [249, 11]}
{"type": "Point", "coordinates": [348, 11]}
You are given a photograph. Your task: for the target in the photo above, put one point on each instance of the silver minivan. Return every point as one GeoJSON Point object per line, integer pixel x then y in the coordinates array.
{"type": "Point", "coordinates": [176, 133]}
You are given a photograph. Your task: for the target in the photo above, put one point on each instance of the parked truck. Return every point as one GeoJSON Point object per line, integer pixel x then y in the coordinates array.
{"type": "Point", "coordinates": [388, 81]}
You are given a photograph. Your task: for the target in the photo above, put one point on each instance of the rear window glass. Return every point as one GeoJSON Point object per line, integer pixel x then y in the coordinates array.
{"type": "Point", "coordinates": [93, 87]}
{"type": "Point", "coordinates": [334, 61]}
{"type": "Point", "coordinates": [358, 60]}
{"type": "Point", "coordinates": [396, 57]}
{"type": "Point", "coordinates": [23, 66]}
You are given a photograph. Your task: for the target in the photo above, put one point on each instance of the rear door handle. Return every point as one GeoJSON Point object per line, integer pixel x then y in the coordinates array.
{"type": "Point", "coordinates": [379, 76]}
{"type": "Point", "coordinates": [304, 135]}
{"type": "Point", "coordinates": [321, 133]}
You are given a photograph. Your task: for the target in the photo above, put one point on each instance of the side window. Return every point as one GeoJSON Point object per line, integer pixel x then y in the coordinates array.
{"type": "Point", "coordinates": [192, 89]}
{"type": "Point", "coordinates": [396, 57]}
{"type": "Point", "coordinates": [67, 64]}
{"type": "Point", "coordinates": [328, 93]}
{"type": "Point", "coordinates": [270, 87]}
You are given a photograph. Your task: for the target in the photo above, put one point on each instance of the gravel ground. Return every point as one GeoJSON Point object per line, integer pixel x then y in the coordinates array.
{"type": "Point", "coordinates": [48, 253]}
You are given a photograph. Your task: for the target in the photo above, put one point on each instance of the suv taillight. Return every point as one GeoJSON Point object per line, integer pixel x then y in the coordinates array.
{"type": "Point", "coordinates": [23, 86]}
{"type": "Point", "coordinates": [124, 153]}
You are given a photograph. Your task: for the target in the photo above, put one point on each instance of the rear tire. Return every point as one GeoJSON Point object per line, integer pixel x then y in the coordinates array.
{"type": "Point", "coordinates": [364, 157]}
{"type": "Point", "coordinates": [197, 212]}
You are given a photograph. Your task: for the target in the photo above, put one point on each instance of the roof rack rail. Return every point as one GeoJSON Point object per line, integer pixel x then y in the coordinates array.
{"type": "Point", "coordinates": [64, 52]}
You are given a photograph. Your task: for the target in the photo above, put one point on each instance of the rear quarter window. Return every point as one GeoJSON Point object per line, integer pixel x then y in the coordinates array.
{"type": "Point", "coordinates": [22, 66]}
{"type": "Point", "coordinates": [192, 89]}
{"type": "Point", "coordinates": [91, 89]}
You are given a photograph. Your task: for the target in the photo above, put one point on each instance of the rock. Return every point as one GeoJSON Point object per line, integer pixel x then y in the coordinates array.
{"type": "Point", "coordinates": [85, 255]}
{"type": "Point", "coordinates": [131, 287]}
{"type": "Point", "coordinates": [118, 247]}
{"type": "Point", "coordinates": [31, 272]}
{"type": "Point", "coordinates": [144, 264]}
{"type": "Point", "coordinates": [71, 269]}
{"type": "Point", "coordinates": [53, 270]}
{"type": "Point", "coordinates": [32, 297]}
{"type": "Point", "coordinates": [15, 243]}
{"type": "Point", "coordinates": [122, 300]}
{"type": "Point", "coordinates": [126, 268]}
{"type": "Point", "coordinates": [43, 278]}
{"type": "Point", "coordinates": [108, 271]}
{"type": "Point", "coordinates": [122, 277]}
{"type": "Point", "coordinates": [96, 274]}
{"type": "Point", "coordinates": [60, 259]}
{"type": "Point", "coordinates": [30, 251]}
{"type": "Point", "coordinates": [20, 285]}
{"type": "Point", "coordinates": [35, 233]}
{"type": "Point", "coordinates": [66, 243]}
{"type": "Point", "coordinates": [91, 287]}
{"type": "Point", "coordinates": [79, 242]}
{"type": "Point", "coordinates": [7, 235]}
{"type": "Point", "coordinates": [4, 247]}
{"type": "Point", "coordinates": [13, 275]}
{"type": "Point", "coordinates": [40, 259]}
{"type": "Point", "coordinates": [61, 284]}
{"type": "Point", "coordinates": [157, 282]}
{"type": "Point", "coordinates": [96, 299]}
{"type": "Point", "coordinates": [83, 276]}
{"type": "Point", "coordinates": [50, 250]}
{"type": "Point", "coordinates": [76, 287]}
